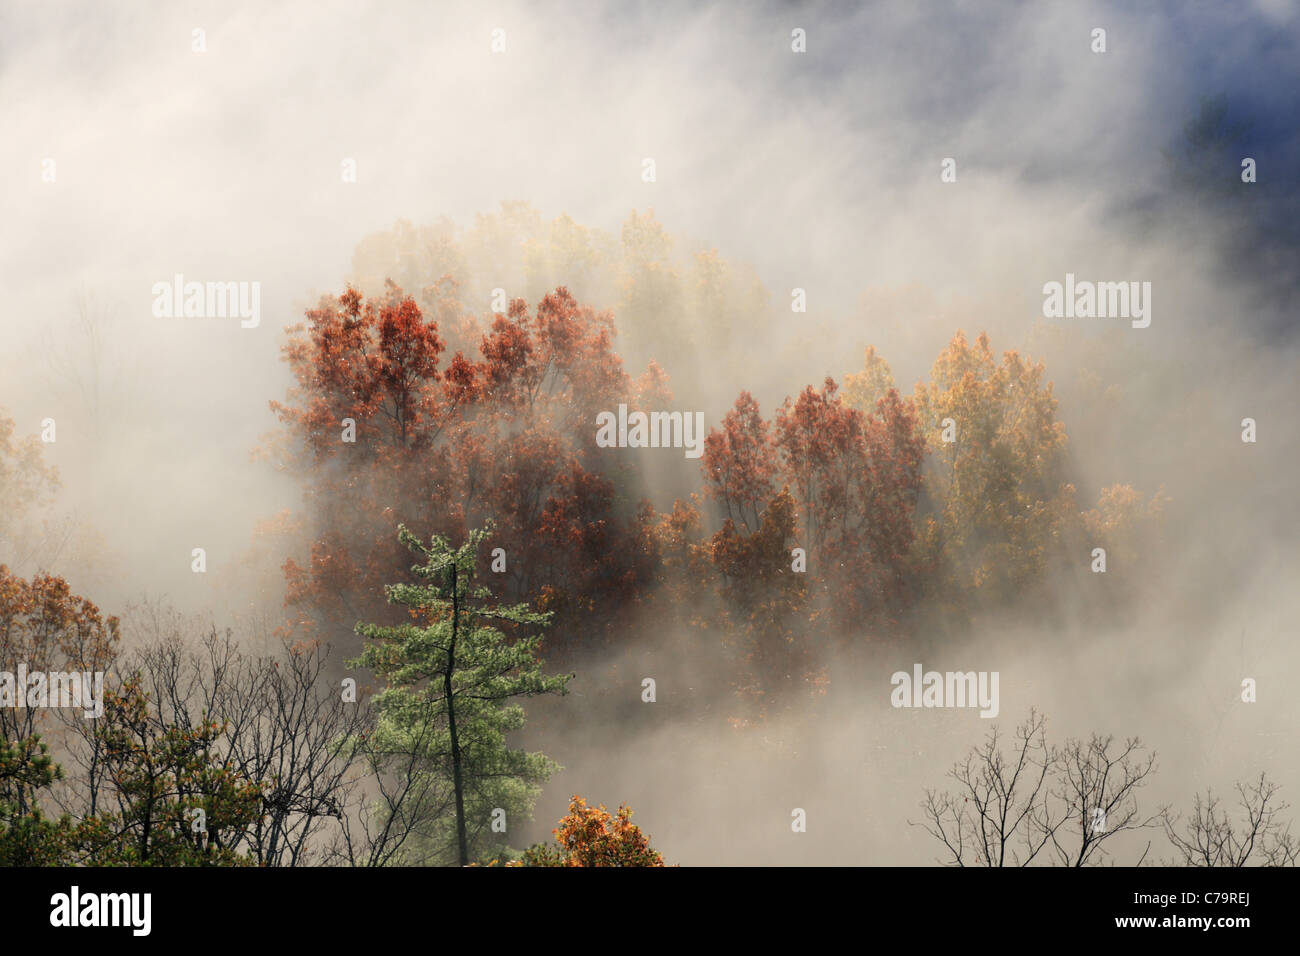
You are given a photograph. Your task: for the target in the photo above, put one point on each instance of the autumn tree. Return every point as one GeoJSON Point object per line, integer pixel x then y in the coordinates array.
{"type": "Point", "coordinates": [762, 599]}
{"type": "Point", "coordinates": [385, 429]}
{"type": "Point", "coordinates": [996, 486]}
{"type": "Point", "coordinates": [26, 484]}
{"type": "Point", "coordinates": [172, 800]}
{"type": "Point", "coordinates": [46, 628]}
{"type": "Point", "coordinates": [285, 725]}
{"type": "Point", "coordinates": [998, 511]}
{"type": "Point", "coordinates": [1129, 527]}
{"type": "Point", "coordinates": [678, 300]}
{"type": "Point", "coordinates": [739, 463]}
{"type": "Point", "coordinates": [839, 485]}
{"type": "Point", "coordinates": [856, 478]}
{"type": "Point", "coordinates": [592, 836]}
{"type": "Point", "coordinates": [863, 389]}
{"type": "Point", "coordinates": [443, 716]}
{"type": "Point", "coordinates": [195, 722]}
{"type": "Point", "coordinates": [749, 556]}
{"type": "Point", "coordinates": [853, 478]}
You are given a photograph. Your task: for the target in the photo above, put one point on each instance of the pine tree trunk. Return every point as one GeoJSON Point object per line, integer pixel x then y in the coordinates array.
{"type": "Point", "coordinates": [461, 837]}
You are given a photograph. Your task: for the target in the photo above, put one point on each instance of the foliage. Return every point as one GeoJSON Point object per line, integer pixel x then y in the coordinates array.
{"type": "Point", "coordinates": [849, 483]}
{"type": "Point", "coordinates": [45, 627]}
{"type": "Point", "coordinates": [176, 803]}
{"type": "Point", "coordinates": [995, 496]}
{"type": "Point", "coordinates": [450, 677]}
{"type": "Point", "coordinates": [27, 837]}
{"type": "Point", "coordinates": [26, 482]}
{"type": "Point", "coordinates": [441, 446]}
{"type": "Point", "coordinates": [592, 836]}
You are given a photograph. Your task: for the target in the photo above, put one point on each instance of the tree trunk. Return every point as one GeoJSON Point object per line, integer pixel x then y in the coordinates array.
{"type": "Point", "coordinates": [461, 837]}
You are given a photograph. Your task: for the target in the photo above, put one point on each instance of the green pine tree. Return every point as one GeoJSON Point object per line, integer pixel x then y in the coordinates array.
{"type": "Point", "coordinates": [27, 837]}
{"type": "Point", "coordinates": [443, 718]}
{"type": "Point", "coordinates": [179, 802]}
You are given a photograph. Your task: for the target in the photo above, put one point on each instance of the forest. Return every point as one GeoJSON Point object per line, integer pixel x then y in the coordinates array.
{"type": "Point", "coordinates": [672, 435]}
{"type": "Point", "coordinates": [464, 543]}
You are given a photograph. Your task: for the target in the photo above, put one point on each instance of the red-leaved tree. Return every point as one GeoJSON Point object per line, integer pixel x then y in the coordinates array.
{"type": "Point", "coordinates": [385, 427]}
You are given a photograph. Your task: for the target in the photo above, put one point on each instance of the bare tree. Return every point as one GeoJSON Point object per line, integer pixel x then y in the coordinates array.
{"type": "Point", "coordinates": [1210, 837]}
{"type": "Point", "coordinates": [1012, 809]}
{"type": "Point", "coordinates": [398, 795]}
{"type": "Point", "coordinates": [1098, 789]}
{"type": "Point", "coordinates": [287, 729]}
{"type": "Point", "coordinates": [1063, 805]}
{"type": "Point", "coordinates": [87, 358]}
{"type": "Point", "coordinates": [1000, 814]}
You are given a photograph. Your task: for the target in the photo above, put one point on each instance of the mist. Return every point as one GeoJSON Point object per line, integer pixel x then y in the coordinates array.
{"type": "Point", "coordinates": [818, 171]}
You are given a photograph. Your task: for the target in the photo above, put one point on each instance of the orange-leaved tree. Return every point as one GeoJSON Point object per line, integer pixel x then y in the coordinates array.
{"type": "Point", "coordinates": [996, 486]}
{"type": "Point", "coordinates": [26, 484]}
{"type": "Point", "coordinates": [837, 484]}
{"type": "Point", "coordinates": [46, 628]}
{"type": "Point", "coordinates": [384, 428]}
{"type": "Point", "coordinates": [999, 513]}
{"type": "Point", "coordinates": [592, 836]}
{"type": "Point", "coordinates": [853, 477]}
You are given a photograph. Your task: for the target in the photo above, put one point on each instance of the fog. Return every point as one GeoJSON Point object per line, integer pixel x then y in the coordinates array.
{"type": "Point", "coordinates": [819, 171]}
